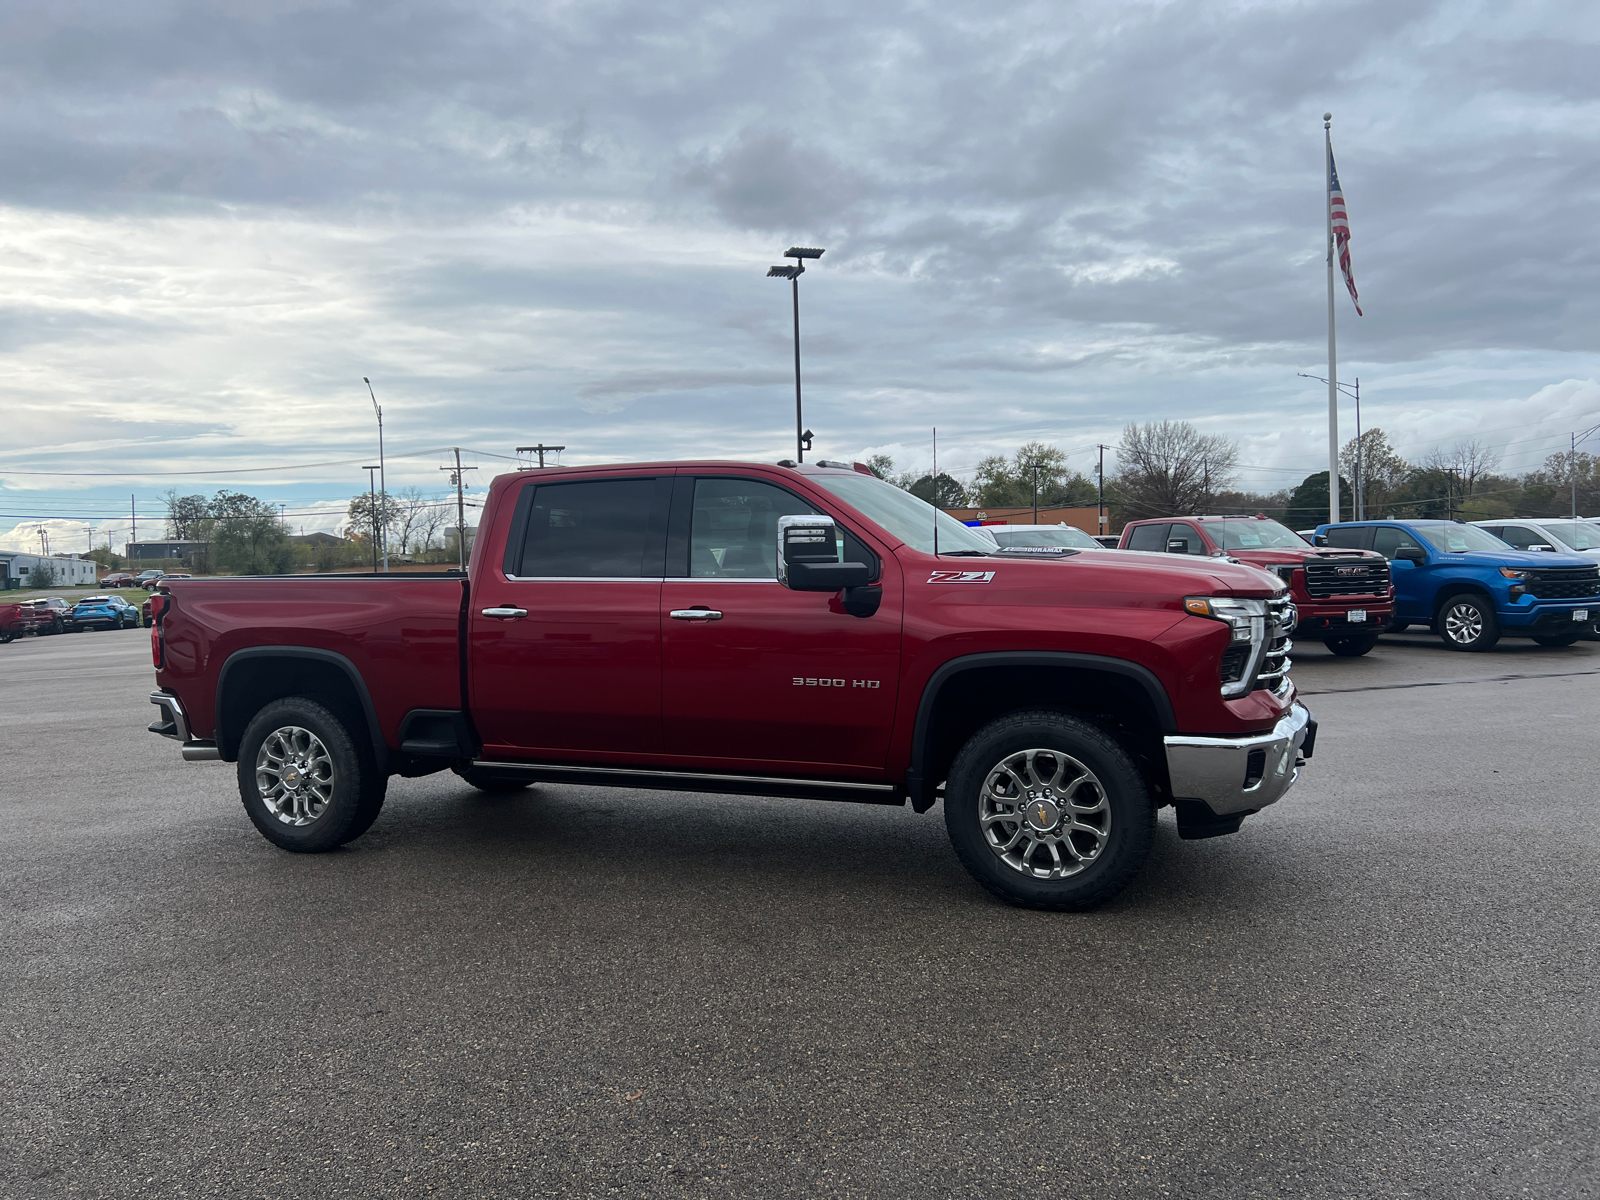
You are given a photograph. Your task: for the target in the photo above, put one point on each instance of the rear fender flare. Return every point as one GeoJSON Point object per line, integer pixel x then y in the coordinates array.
{"type": "Point", "coordinates": [229, 748]}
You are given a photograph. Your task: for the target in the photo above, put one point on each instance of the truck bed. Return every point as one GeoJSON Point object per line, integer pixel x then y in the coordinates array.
{"type": "Point", "coordinates": [398, 635]}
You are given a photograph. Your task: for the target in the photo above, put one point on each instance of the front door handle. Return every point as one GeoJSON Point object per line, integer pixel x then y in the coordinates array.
{"type": "Point", "coordinates": [695, 614]}
{"type": "Point", "coordinates": [506, 614]}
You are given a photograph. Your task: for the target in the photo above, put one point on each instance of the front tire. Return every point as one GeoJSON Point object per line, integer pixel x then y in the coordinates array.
{"type": "Point", "coordinates": [1352, 645]}
{"type": "Point", "coordinates": [306, 782]}
{"type": "Point", "coordinates": [1048, 811]}
{"type": "Point", "coordinates": [1467, 622]}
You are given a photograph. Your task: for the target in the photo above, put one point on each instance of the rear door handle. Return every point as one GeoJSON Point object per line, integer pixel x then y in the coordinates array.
{"type": "Point", "coordinates": [695, 614]}
{"type": "Point", "coordinates": [506, 614]}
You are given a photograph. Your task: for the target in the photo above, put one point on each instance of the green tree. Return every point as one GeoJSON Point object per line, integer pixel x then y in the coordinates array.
{"type": "Point", "coordinates": [185, 515]}
{"type": "Point", "coordinates": [246, 536]}
{"type": "Point", "coordinates": [1308, 506]}
{"type": "Point", "coordinates": [1383, 471]}
{"type": "Point", "coordinates": [946, 492]}
{"type": "Point", "coordinates": [359, 523]}
{"type": "Point", "coordinates": [42, 576]}
{"type": "Point", "coordinates": [1000, 482]}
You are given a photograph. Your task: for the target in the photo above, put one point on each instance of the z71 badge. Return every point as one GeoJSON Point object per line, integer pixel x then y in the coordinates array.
{"type": "Point", "coordinates": [961, 577]}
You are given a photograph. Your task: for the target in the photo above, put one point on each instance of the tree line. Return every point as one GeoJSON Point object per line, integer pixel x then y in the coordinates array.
{"type": "Point", "coordinates": [244, 535]}
{"type": "Point", "coordinates": [1171, 468]}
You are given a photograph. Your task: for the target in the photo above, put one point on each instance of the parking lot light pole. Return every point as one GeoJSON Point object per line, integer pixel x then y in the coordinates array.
{"type": "Point", "coordinates": [372, 503]}
{"type": "Point", "coordinates": [382, 478]}
{"type": "Point", "coordinates": [792, 274]}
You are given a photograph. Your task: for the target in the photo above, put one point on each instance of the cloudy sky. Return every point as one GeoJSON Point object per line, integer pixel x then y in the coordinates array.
{"type": "Point", "coordinates": [552, 222]}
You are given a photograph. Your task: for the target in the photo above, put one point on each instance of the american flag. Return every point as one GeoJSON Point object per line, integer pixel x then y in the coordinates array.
{"type": "Point", "coordinates": [1341, 229]}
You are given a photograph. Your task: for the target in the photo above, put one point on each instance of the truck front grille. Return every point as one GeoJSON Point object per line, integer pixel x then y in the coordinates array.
{"type": "Point", "coordinates": [1327, 577]}
{"type": "Point", "coordinates": [1563, 583]}
{"type": "Point", "coordinates": [1275, 663]}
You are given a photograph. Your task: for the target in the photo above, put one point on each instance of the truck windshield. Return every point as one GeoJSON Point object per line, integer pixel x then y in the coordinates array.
{"type": "Point", "coordinates": [1576, 535]}
{"type": "Point", "coordinates": [1254, 535]}
{"type": "Point", "coordinates": [1458, 539]}
{"type": "Point", "coordinates": [902, 514]}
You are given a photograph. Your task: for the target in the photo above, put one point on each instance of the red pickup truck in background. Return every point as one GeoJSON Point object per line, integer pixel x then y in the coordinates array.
{"type": "Point", "coordinates": [777, 630]}
{"type": "Point", "coordinates": [1344, 597]}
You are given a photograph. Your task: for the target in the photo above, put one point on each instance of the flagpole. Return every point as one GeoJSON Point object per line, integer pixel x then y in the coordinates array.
{"type": "Point", "coordinates": [1333, 346]}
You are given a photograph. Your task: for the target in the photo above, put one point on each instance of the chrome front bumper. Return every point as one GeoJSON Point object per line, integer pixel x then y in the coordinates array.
{"type": "Point", "coordinates": [173, 724]}
{"type": "Point", "coordinates": [1240, 774]}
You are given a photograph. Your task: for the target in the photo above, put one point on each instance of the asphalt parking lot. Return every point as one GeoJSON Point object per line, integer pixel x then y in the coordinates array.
{"type": "Point", "coordinates": [1385, 986]}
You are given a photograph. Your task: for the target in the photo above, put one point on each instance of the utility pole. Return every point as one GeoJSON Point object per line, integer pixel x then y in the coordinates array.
{"type": "Point", "coordinates": [1035, 492]}
{"type": "Point", "coordinates": [372, 503]}
{"type": "Point", "coordinates": [541, 450]}
{"type": "Point", "coordinates": [1450, 473]}
{"type": "Point", "coordinates": [461, 502]}
{"type": "Point", "coordinates": [382, 478]}
{"type": "Point", "coordinates": [1100, 498]}
{"type": "Point", "coordinates": [133, 508]}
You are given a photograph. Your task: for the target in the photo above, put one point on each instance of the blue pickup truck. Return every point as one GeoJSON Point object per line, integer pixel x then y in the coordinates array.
{"type": "Point", "coordinates": [1472, 588]}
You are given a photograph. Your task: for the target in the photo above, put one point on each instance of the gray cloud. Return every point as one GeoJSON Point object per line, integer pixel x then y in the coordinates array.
{"type": "Point", "coordinates": [1039, 219]}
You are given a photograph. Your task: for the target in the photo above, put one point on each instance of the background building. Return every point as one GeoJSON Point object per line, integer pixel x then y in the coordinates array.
{"type": "Point", "coordinates": [70, 570]}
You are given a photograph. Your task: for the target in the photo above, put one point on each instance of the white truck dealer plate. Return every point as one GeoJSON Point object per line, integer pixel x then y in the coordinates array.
{"type": "Point", "coordinates": [1580, 614]}
{"type": "Point", "coordinates": [1356, 616]}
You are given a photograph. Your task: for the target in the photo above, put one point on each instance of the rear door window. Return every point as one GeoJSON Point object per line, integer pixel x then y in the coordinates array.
{"type": "Point", "coordinates": [1387, 539]}
{"type": "Point", "coordinates": [1350, 537]}
{"type": "Point", "coordinates": [597, 529]}
{"type": "Point", "coordinates": [1520, 536]}
{"type": "Point", "coordinates": [1149, 537]}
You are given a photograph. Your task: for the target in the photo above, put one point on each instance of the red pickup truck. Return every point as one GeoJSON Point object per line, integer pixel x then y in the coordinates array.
{"type": "Point", "coordinates": [32, 616]}
{"type": "Point", "coordinates": [1344, 597]}
{"type": "Point", "coordinates": [805, 631]}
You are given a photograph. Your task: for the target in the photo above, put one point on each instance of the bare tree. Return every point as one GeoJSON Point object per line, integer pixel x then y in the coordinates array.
{"type": "Point", "coordinates": [1171, 468]}
{"type": "Point", "coordinates": [409, 505]}
{"type": "Point", "coordinates": [1383, 472]}
{"type": "Point", "coordinates": [1472, 460]}
{"type": "Point", "coordinates": [431, 518]}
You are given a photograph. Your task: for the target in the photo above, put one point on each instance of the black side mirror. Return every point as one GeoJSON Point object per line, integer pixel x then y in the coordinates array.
{"type": "Point", "coordinates": [1412, 553]}
{"type": "Point", "coordinates": [808, 557]}
{"type": "Point", "coordinates": [1319, 539]}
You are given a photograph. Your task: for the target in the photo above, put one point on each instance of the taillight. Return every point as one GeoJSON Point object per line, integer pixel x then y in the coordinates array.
{"type": "Point", "coordinates": [159, 603]}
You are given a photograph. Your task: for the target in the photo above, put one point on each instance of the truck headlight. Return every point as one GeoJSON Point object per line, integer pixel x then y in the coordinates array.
{"type": "Point", "coordinates": [1247, 618]}
{"type": "Point", "coordinates": [1513, 573]}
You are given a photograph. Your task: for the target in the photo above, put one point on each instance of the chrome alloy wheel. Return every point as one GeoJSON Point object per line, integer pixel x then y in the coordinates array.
{"type": "Point", "coordinates": [294, 775]}
{"type": "Point", "coordinates": [1044, 813]}
{"type": "Point", "coordinates": [1463, 624]}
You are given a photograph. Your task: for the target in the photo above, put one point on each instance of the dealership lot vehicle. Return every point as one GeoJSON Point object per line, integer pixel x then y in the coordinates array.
{"type": "Point", "coordinates": [1471, 588]}
{"type": "Point", "coordinates": [1568, 537]}
{"type": "Point", "coordinates": [1343, 597]}
{"type": "Point", "coordinates": [101, 612]}
{"type": "Point", "coordinates": [1041, 537]}
{"type": "Point", "coordinates": [147, 579]}
{"type": "Point", "coordinates": [767, 630]}
{"type": "Point", "coordinates": [45, 615]}
{"type": "Point", "coordinates": [117, 579]}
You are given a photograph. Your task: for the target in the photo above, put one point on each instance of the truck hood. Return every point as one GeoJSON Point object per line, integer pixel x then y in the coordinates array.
{"type": "Point", "coordinates": [1168, 575]}
{"type": "Point", "coordinates": [1518, 558]}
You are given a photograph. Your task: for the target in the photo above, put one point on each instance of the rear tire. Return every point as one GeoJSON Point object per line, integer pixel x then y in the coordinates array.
{"type": "Point", "coordinates": [307, 783]}
{"type": "Point", "coordinates": [1557, 639]}
{"type": "Point", "coordinates": [1353, 645]}
{"type": "Point", "coordinates": [486, 782]}
{"type": "Point", "coordinates": [1467, 622]}
{"type": "Point", "coordinates": [1048, 811]}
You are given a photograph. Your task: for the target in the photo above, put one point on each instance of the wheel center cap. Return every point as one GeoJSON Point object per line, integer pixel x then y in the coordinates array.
{"type": "Point", "coordinates": [291, 777]}
{"type": "Point", "coordinates": [1043, 814]}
